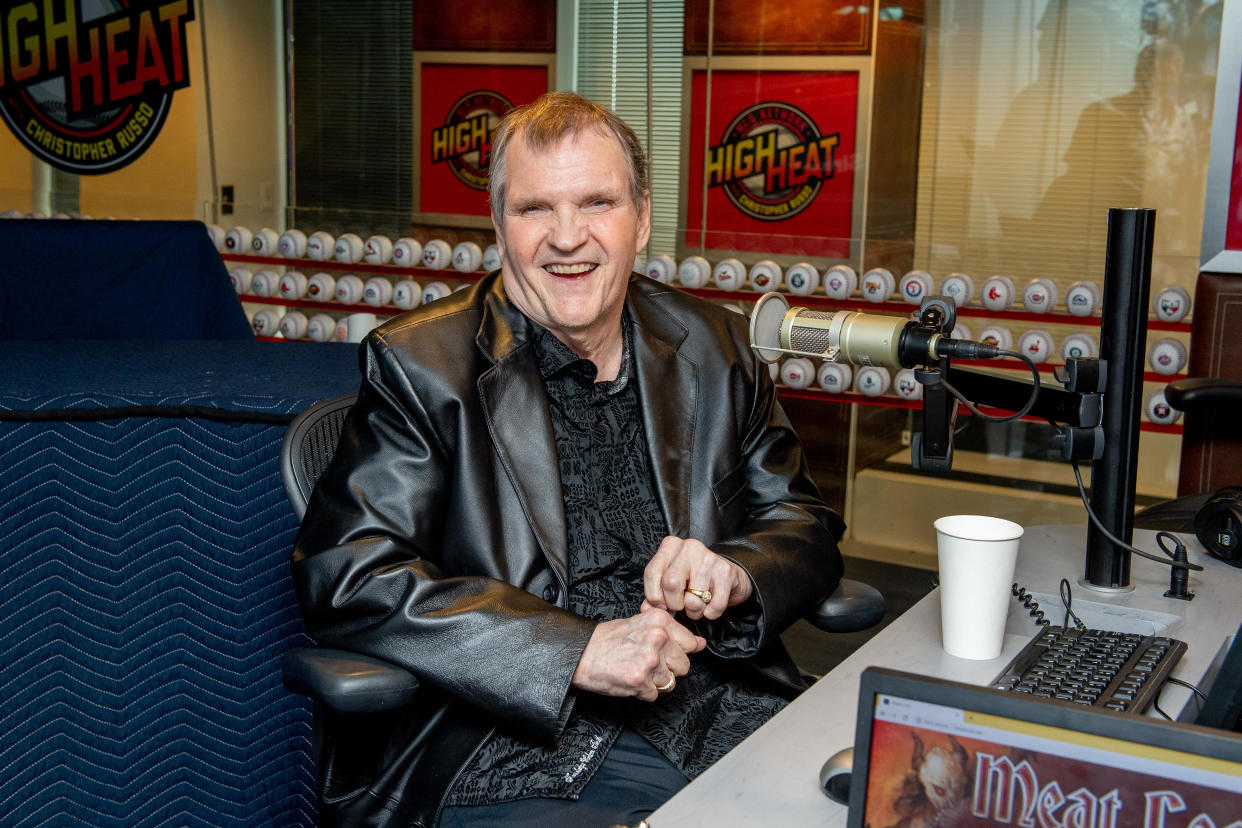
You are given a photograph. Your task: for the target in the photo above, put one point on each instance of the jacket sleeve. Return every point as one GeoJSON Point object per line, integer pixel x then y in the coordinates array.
{"type": "Point", "coordinates": [781, 531]}
{"type": "Point", "coordinates": [369, 577]}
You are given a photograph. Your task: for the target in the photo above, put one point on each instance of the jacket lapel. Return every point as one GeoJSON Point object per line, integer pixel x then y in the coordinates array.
{"type": "Point", "coordinates": [516, 410]}
{"type": "Point", "coordinates": [667, 383]}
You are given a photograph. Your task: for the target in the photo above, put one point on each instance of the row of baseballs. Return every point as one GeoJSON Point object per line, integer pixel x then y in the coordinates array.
{"type": "Point", "coordinates": [377, 291]}
{"type": "Point", "coordinates": [350, 248]}
{"type": "Point", "coordinates": [878, 284]}
{"type": "Point", "coordinates": [1164, 356]}
{"type": "Point", "coordinates": [875, 381]}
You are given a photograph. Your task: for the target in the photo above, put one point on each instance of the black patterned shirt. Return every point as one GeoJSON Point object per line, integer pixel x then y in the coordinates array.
{"type": "Point", "coordinates": [615, 525]}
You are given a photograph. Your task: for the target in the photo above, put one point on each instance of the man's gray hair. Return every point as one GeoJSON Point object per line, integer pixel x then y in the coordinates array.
{"type": "Point", "coordinates": [545, 122]}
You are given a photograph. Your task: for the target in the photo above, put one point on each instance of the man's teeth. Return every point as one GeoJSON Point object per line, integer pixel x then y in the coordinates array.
{"type": "Point", "coordinates": [569, 269]}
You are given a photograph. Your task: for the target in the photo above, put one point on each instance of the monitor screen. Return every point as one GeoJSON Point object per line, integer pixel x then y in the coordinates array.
{"type": "Point", "coordinates": [935, 753]}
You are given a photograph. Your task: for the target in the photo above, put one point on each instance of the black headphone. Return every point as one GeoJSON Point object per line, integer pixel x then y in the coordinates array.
{"type": "Point", "coordinates": [1218, 525]}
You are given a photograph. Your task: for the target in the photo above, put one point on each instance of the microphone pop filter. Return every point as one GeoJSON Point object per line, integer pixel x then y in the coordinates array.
{"type": "Point", "coordinates": [765, 326]}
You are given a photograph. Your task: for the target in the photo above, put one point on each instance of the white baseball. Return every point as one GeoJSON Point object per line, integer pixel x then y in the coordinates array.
{"type": "Point", "coordinates": [1167, 356]}
{"type": "Point", "coordinates": [959, 287]}
{"type": "Point", "coordinates": [694, 272]}
{"type": "Point", "coordinates": [407, 294]}
{"type": "Point", "coordinates": [293, 325]}
{"type": "Point", "coordinates": [321, 328]}
{"type": "Point", "coordinates": [1082, 298]}
{"type": "Point", "coordinates": [1079, 345]}
{"type": "Point", "coordinates": [265, 283]}
{"type": "Point", "coordinates": [321, 287]}
{"type": "Point", "coordinates": [840, 281]}
{"type": "Point", "coordinates": [320, 245]}
{"type": "Point", "coordinates": [437, 254]}
{"type": "Point", "coordinates": [914, 286]}
{"type": "Point", "coordinates": [240, 278]}
{"type": "Point", "coordinates": [377, 291]}
{"type": "Point", "coordinates": [797, 372]}
{"type": "Point", "coordinates": [348, 289]}
{"type": "Point", "coordinates": [467, 256]}
{"type": "Point", "coordinates": [1039, 295]}
{"type": "Point", "coordinates": [491, 258]}
{"type": "Point", "coordinates": [872, 380]}
{"type": "Point", "coordinates": [835, 377]}
{"type": "Point", "coordinates": [1037, 344]}
{"type": "Point", "coordinates": [292, 244]}
{"type": "Point", "coordinates": [293, 285]}
{"type": "Point", "coordinates": [878, 285]}
{"type": "Point", "coordinates": [1171, 304]}
{"type": "Point", "coordinates": [214, 231]}
{"type": "Point", "coordinates": [997, 335]}
{"type": "Point", "coordinates": [238, 240]}
{"type": "Point", "coordinates": [266, 322]}
{"type": "Point", "coordinates": [729, 274]}
{"type": "Point", "coordinates": [1158, 409]}
{"type": "Point", "coordinates": [661, 268]}
{"type": "Point", "coordinates": [434, 291]}
{"type": "Point", "coordinates": [407, 252]}
{"type": "Point", "coordinates": [802, 279]}
{"type": "Point", "coordinates": [906, 385]}
{"type": "Point", "coordinates": [265, 242]}
{"type": "Point", "coordinates": [348, 248]}
{"type": "Point", "coordinates": [377, 250]}
{"type": "Point", "coordinates": [997, 293]}
{"type": "Point", "coordinates": [765, 275]}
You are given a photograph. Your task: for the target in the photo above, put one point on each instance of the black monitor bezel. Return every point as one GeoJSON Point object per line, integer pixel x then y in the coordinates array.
{"type": "Point", "coordinates": [1143, 730]}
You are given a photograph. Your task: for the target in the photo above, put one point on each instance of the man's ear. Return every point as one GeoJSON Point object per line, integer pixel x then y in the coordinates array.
{"type": "Point", "coordinates": [644, 221]}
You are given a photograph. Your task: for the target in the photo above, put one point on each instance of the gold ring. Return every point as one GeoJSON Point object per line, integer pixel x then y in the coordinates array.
{"type": "Point", "coordinates": [704, 595]}
{"type": "Point", "coordinates": [672, 681]}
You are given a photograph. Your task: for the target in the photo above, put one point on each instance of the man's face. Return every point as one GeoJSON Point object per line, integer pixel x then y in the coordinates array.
{"type": "Point", "coordinates": [569, 233]}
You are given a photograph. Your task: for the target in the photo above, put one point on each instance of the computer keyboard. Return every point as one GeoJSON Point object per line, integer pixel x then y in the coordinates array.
{"type": "Point", "coordinates": [1098, 668]}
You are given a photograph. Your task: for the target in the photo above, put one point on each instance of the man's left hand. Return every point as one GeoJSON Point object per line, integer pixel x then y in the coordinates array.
{"type": "Point", "coordinates": [683, 572]}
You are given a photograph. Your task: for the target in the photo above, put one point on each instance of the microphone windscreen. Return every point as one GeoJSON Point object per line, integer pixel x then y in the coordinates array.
{"type": "Point", "coordinates": [765, 325]}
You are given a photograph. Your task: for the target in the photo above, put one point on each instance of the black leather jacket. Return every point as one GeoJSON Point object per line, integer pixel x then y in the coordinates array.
{"type": "Point", "coordinates": [436, 539]}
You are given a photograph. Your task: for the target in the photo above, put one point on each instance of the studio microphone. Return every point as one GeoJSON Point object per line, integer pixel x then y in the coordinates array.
{"type": "Point", "coordinates": [853, 337]}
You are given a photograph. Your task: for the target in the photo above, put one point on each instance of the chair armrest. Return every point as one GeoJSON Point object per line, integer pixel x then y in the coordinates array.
{"type": "Point", "coordinates": [853, 606]}
{"type": "Point", "coordinates": [1196, 392]}
{"type": "Point", "coordinates": [347, 682]}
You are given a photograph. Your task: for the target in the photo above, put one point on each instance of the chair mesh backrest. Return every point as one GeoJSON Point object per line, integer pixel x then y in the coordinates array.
{"type": "Point", "coordinates": [308, 447]}
{"type": "Point", "coordinates": [318, 446]}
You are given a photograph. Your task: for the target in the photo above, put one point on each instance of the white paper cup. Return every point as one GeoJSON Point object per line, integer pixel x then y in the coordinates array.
{"type": "Point", "coordinates": [355, 327]}
{"type": "Point", "coordinates": [977, 555]}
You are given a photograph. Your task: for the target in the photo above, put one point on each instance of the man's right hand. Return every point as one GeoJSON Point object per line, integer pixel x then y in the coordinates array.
{"type": "Point", "coordinates": [634, 656]}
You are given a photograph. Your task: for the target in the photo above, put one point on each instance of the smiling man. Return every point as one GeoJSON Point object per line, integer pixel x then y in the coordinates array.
{"type": "Point", "coordinates": [568, 501]}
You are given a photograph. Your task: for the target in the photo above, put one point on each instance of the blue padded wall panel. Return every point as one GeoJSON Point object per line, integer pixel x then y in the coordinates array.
{"type": "Point", "coordinates": [145, 602]}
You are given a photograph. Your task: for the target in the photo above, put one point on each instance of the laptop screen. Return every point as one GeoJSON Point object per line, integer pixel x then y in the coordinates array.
{"type": "Point", "coordinates": [935, 753]}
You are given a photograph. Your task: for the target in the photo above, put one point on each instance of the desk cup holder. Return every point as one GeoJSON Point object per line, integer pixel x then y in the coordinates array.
{"type": "Point", "coordinates": [834, 776]}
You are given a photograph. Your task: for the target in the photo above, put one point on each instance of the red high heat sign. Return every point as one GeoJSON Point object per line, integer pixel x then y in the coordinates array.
{"type": "Point", "coordinates": [774, 169]}
{"type": "Point", "coordinates": [90, 94]}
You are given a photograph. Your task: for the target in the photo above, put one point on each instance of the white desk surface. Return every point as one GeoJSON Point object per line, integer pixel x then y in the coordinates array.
{"type": "Point", "coordinates": [772, 778]}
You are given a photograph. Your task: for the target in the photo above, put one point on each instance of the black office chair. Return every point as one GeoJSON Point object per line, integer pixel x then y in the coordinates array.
{"type": "Point", "coordinates": [352, 683]}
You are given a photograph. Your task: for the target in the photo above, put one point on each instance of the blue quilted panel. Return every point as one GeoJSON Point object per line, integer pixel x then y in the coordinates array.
{"type": "Point", "coordinates": [144, 604]}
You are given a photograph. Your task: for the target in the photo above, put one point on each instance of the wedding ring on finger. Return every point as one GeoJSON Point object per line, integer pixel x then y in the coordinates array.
{"type": "Point", "coordinates": [667, 688]}
{"type": "Point", "coordinates": [704, 595]}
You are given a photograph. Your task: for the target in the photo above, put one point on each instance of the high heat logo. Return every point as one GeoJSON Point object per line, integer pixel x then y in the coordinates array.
{"type": "Point", "coordinates": [772, 161]}
{"type": "Point", "coordinates": [464, 142]}
{"type": "Point", "coordinates": [88, 93]}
